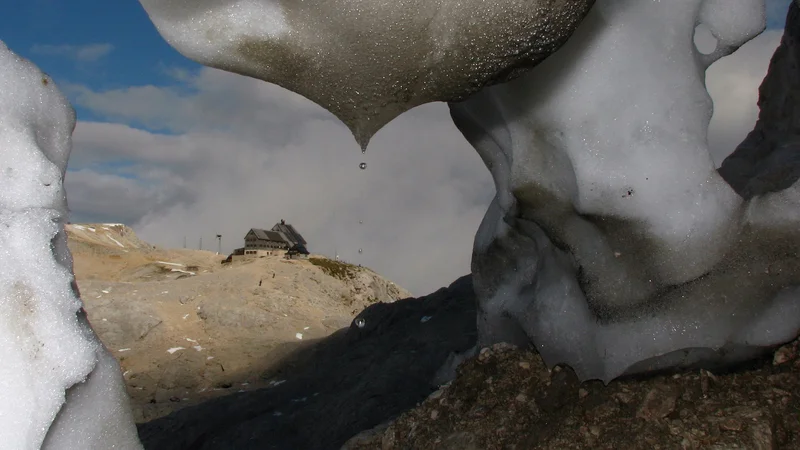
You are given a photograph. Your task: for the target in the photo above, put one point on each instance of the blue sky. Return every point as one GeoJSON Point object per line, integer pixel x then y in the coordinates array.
{"type": "Point", "coordinates": [178, 150]}
{"type": "Point", "coordinates": [127, 48]}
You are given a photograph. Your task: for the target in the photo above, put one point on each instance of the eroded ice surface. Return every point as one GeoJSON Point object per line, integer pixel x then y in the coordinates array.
{"type": "Point", "coordinates": [368, 61]}
{"type": "Point", "coordinates": [613, 244]}
{"type": "Point", "coordinates": [61, 389]}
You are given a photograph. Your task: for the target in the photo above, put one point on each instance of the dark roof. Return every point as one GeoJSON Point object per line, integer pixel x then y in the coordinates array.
{"type": "Point", "coordinates": [269, 235]}
{"type": "Point", "coordinates": [299, 248]}
{"type": "Point", "coordinates": [291, 234]}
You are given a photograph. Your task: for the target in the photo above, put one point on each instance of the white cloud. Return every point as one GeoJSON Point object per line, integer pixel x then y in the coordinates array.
{"type": "Point", "coordinates": [247, 154]}
{"type": "Point", "coordinates": [81, 53]}
{"type": "Point", "coordinates": [243, 153]}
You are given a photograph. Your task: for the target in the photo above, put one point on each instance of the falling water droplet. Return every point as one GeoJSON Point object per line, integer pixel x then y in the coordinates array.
{"type": "Point", "coordinates": [360, 251]}
{"type": "Point", "coordinates": [360, 221]}
{"type": "Point", "coordinates": [360, 322]}
{"type": "Point", "coordinates": [363, 165]}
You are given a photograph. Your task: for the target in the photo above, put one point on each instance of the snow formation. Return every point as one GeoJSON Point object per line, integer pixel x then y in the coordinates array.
{"type": "Point", "coordinates": [368, 61]}
{"type": "Point", "coordinates": [61, 388]}
{"type": "Point", "coordinates": [613, 244]}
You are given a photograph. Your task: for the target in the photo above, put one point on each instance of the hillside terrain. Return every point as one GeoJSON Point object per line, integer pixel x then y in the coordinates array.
{"type": "Point", "coordinates": [324, 355]}
{"type": "Point", "coordinates": [186, 328]}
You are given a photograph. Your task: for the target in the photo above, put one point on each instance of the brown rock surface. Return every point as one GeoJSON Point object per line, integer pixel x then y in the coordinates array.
{"type": "Point", "coordinates": [186, 328]}
{"type": "Point", "coordinates": [506, 398]}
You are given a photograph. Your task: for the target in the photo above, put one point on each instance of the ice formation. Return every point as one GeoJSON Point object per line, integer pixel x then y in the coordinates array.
{"type": "Point", "coordinates": [612, 244]}
{"type": "Point", "coordinates": [368, 61]}
{"type": "Point", "coordinates": [61, 388]}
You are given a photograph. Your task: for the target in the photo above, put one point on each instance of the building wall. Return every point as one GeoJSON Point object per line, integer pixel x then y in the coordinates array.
{"type": "Point", "coordinates": [254, 244]}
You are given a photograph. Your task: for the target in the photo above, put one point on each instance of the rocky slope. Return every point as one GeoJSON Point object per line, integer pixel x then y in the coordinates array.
{"type": "Point", "coordinates": [506, 398]}
{"type": "Point", "coordinates": [221, 355]}
{"type": "Point", "coordinates": [352, 380]}
{"type": "Point", "coordinates": [186, 328]}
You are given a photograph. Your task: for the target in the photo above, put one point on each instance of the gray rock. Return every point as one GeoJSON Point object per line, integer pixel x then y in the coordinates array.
{"type": "Point", "coordinates": [768, 160]}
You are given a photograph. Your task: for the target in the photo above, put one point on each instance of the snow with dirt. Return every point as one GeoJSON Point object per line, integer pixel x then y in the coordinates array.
{"type": "Point", "coordinates": [613, 244]}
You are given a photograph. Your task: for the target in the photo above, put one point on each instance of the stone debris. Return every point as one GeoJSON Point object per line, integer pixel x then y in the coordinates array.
{"type": "Point", "coordinates": [527, 406]}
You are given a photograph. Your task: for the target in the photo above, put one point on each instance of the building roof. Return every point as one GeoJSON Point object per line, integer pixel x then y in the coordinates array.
{"type": "Point", "coordinates": [269, 235]}
{"type": "Point", "coordinates": [299, 248]}
{"type": "Point", "coordinates": [290, 232]}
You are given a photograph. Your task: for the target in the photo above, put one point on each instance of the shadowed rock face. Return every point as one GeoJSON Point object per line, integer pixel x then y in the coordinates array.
{"type": "Point", "coordinates": [368, 61]}
{"type": "Point", "coordinates": [352, 380]}
{"type": "Point", "coordinates": [769, 158]}
{"type": "Point", "coordinates": [613, 244]}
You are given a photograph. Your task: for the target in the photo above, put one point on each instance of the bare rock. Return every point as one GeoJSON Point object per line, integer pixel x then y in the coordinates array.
{"type": "Point", "coordinates": [659, 402]}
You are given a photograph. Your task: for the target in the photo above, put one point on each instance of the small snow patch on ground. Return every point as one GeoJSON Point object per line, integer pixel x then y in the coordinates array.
{"type": "Point", "coordinates": [170, 264]}
{"type": "Point", "coordinates": [299, 336]}
{"type": "Point", "coordinates": [209, 358]}
{"type": "Point", "coordinates": [198, 347]}
{"type": "Point", "coordinates": [184, 271]}
{"type": "Point", "coordinates": [175, 349]}
{"type": "Point", "coordinates": [191, 340]}
{"type": "Point", "coordinates": [115, 241]}
{"type": "Point", "coordinates": [91, 229]}
{"type": "Point", "coordinates": [123, 350]}
{"type": "Point", "coordinates": [185, 316]}
{"type": "Point", "coordinates": [425, 319]}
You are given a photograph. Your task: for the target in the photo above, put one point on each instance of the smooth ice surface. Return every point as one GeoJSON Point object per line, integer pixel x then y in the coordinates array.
{"type": "Point", "coordinates": [368, 61]}
{"type": "Point", "coordinates": [613, 243]}
{"type": "Point", "coordinates": [47, 350]}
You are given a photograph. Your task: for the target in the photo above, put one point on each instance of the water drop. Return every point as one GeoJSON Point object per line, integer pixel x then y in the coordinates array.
{"type": "Point", "coordinates": [360, 221]}
{"type": "Point", "coordinates": [360, 251]}
{"type": "Point", "coordinates": [360, 322]}
{"type": "Point", "coordinates": [363, 165]}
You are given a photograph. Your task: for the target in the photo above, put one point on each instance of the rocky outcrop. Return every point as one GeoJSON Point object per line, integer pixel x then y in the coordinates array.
{"type": "Point", "coordinates": [359, 377]}
{"type": "Point", "coordinates": [507, 398]}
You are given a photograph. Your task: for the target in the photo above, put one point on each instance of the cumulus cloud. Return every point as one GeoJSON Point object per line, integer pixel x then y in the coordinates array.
{"type": "Point", "coordinates": [80, 53]}
{"type": "Point", "coordinates": [236, 153]}
{"type": "Point", "coordinates": [220, 153]}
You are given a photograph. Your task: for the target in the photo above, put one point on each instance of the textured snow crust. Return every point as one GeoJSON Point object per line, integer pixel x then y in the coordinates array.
{"type": "Point", "coordinates": [613, 244]}
{"type": "Point", "coordinates": [368, 61]}
{"type": "Point", "coordinates": [61, 389]}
